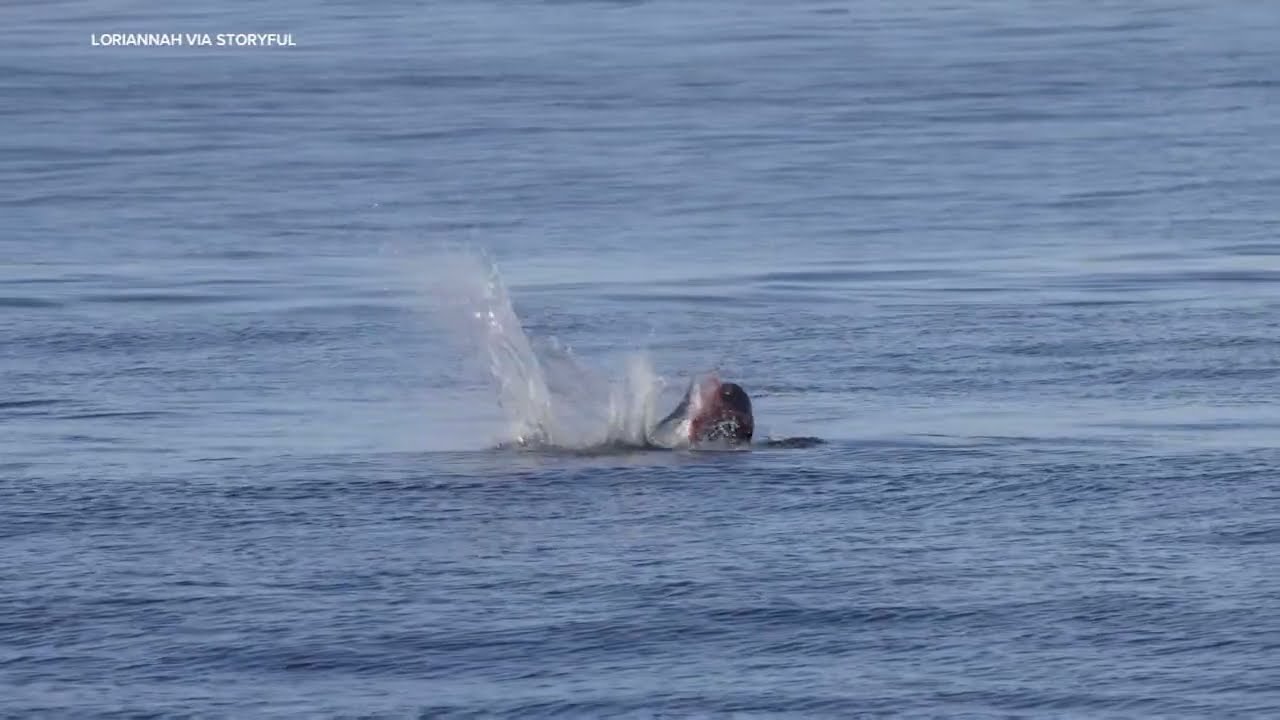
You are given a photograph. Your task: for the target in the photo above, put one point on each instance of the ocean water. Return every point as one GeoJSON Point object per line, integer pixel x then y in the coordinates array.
{"type": "Point", "coordinates": [1016, 264]}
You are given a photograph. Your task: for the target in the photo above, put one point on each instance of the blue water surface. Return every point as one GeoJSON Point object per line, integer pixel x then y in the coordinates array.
{"type": "Point", "coordinates": [1018, 263]}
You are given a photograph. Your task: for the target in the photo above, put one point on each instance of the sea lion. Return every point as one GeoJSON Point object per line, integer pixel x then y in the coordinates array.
{"type": "Point", "coordinates": [711, 412]}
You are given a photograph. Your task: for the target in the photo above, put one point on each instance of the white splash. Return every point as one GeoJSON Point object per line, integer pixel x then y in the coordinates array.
{"type": "Point", "coordinates": [550, 398]}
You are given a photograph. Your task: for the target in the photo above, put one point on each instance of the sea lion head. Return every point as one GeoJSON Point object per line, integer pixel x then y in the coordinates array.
{"type": "Point", "coordinates": [724, 415]}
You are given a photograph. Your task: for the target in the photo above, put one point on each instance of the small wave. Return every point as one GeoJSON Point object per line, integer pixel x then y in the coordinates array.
{"type": "Point", "coordinates": [28, 303]}
{"type": "Point", "coordinates": [1248, 536]}
{"type": "Point", "coordinates": [792, 443]}
{"type": "Point", "coordinates": [37, 402]}
{"type": "Point", "coordinates": [236, 254]}
{"type": "Point", "coordinates": [848, 275]}
{"type": "Point", "coordinates": [1250, 249]}
{"type": "Point", "coordinates": [119, 415]}
{"type": "Point", "coordinates": [163, 298]}
{"type": "Point", "coordinates": [678, 298]}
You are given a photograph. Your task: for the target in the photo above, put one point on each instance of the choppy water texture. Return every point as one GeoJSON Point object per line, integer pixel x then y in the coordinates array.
{"type": "Point", "coordinates": [1016, 262]}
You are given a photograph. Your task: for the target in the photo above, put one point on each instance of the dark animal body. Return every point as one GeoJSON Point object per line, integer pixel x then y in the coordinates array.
{"type": "Point", "coordinates": [711, 412]}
